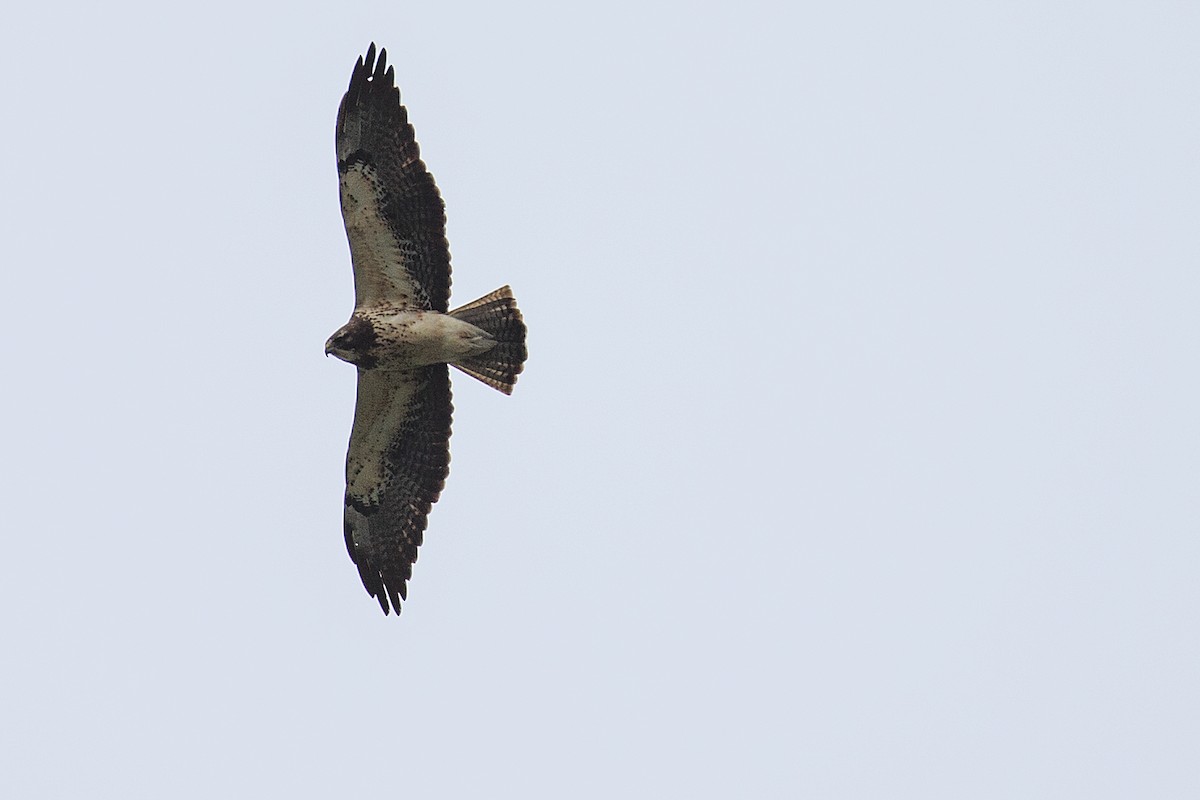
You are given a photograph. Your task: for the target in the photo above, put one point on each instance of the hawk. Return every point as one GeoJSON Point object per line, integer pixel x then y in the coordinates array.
{"type": "Point", "coordinates": [401, 336]}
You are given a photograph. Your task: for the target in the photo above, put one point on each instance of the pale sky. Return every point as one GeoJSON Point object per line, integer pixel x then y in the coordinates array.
{"type": "Point", "coordinates": [857, 454]}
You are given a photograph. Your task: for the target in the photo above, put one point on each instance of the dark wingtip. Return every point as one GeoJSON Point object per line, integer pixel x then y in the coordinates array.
{"type": "Point", "coordinates": [396, 599]}
{"type": "Point", "coordinates": [362, 72]}
{"type": "Point", "coordinates": [381, 65]}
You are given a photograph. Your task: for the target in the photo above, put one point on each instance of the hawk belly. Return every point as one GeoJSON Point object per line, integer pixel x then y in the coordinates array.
{"type": "Point", "coordinates": [411, 339]}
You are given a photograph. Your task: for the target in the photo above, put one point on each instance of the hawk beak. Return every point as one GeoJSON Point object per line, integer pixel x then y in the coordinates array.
{"type": "Point", "coordinates": [328, 350]}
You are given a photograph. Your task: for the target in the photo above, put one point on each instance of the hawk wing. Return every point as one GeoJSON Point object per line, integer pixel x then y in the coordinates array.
{"type": "Point", "coordinates": [397, 464]}
{"type": "Point", "coordinates": [394, 214]}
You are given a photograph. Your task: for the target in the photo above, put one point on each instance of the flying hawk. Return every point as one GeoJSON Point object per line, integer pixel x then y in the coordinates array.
{"type": "Point", "coordinates": [400, 335]}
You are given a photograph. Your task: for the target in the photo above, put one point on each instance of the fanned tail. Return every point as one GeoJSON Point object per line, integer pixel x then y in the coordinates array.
{"type": "Point", "coordinates": [498, 315]}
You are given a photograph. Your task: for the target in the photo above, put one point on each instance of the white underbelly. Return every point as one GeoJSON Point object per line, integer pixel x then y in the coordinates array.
{"type": "Point", "coordinates": [419, 338]}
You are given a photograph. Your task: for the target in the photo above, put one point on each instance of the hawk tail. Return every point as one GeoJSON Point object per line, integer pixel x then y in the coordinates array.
{"type": "Point", "coordinates": [498, 315]}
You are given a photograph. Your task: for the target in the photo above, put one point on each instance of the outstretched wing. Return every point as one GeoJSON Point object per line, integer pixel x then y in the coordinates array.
{"type": "Point", "coordinates": [395, 218]}
{"type": "Point", "coordinates": [397, 464]}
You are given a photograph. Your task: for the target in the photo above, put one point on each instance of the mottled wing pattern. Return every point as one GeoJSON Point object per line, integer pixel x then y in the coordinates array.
{"type": "Point", "coordinates": [394, 214]}
{"type": "Point", "coordinates": [397, 465]}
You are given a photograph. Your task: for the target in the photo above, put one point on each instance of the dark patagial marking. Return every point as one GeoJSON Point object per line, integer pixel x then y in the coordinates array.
{"type": "Point", "coordinates": [359, 156]}
{"type": "Point", "coordinates": [366, 509]}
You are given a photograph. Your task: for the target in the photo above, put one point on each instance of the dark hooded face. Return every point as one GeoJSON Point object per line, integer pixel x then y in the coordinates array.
{"type": "Point", "coordinates": [354, 343]}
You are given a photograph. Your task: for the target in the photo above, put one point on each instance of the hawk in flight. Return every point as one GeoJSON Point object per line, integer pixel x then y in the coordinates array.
{"type": "Point", "coordinates": [401, 335]}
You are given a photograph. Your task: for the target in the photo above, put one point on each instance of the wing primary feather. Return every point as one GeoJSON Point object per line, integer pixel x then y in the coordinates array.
{"type": "Point", "coordinates": [381, 64]}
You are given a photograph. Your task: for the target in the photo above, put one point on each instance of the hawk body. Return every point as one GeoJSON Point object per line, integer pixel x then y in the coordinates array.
{"type": "Point", "coordinates": [401, 336]}
{"type": "Point", "coordinates": [396, 340]}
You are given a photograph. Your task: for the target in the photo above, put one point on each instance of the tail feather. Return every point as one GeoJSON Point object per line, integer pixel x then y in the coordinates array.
{"type": "Point", "coordinates": [498, 315]}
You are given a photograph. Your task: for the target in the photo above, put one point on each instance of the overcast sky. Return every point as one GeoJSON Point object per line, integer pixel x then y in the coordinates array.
{"type": "Point", "coordinates": [857, 454]}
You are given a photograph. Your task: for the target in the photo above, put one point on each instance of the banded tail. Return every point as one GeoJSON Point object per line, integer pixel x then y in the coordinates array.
{"type": "Point", "coordinates": [498, 315]}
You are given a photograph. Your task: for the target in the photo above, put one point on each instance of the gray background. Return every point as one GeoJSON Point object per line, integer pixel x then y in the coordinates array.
{"type": "Point", "coordinates": [856, 455]}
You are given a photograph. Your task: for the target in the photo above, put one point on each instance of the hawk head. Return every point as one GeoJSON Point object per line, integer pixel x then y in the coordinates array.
{"type": "Point", "coordinates": [354, 343]}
